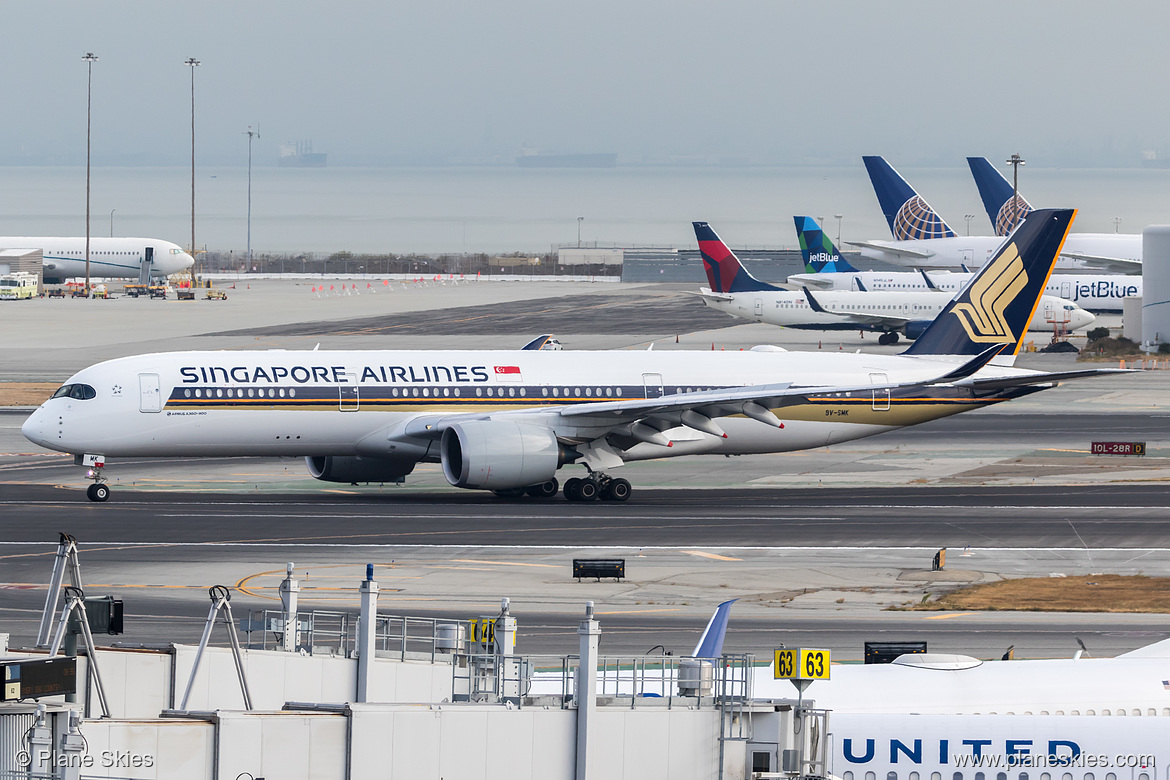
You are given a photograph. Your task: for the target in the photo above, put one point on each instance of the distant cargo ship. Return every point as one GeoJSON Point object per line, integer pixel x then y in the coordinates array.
{"type": "Point", "coordinates": [534, 160]}
{"type": "Point", "coordinates": [300, 154]}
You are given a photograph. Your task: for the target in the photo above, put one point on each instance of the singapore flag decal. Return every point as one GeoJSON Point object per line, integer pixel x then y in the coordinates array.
{"type": "Point", "coordinates": [508, 374]}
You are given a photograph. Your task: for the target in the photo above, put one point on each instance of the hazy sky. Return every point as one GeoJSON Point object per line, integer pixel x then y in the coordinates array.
{"type": "Point", "coordinates": [1070, 83]}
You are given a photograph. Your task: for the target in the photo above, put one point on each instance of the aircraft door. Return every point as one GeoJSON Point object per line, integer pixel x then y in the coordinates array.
{"type": "Point", "coordinates": [149, 393]}
{"type": "Point", "coordinates": [759, 307]}
{"type": "Point", "coordinates": [653, 385]}
{"type": "Point", "coordinates": [347, 393]}
{"type": "Point", "coordinates": [147, 264]}
{"type": "Point", "coordinates": [1066, 290]}
{"type": "Point", "coordinates": [967, 256]}
{"type": "Point", "coordinates": [881, 397]}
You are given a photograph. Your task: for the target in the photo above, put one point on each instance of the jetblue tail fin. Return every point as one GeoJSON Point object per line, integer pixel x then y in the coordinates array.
{"type": "Point", "coordinates": [724, 272]}
{"type": "Point", "coordinates": [817, 249]}
{"type": "Point", "coordinates": [996, 193]}
{"type": "Point", "coordinates": [998, 303]}
{"type": "Point", "coordinates": [910, 216]}
{"type": "Point", "coordinates": [711, 643]}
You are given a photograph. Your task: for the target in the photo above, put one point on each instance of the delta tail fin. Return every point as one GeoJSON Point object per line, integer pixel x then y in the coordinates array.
{"type": "Point", "coordinates": [817, 249]}
{"type": "Point", "coordinates": [724, 272]}
{"type": "Point", "coordinates": [711, 642]}
{"type": "Point", "coordinates": [998, 303]}
{"type": "Point", "coordinates": [910, 217]}
{"type": "Point", "coordinates": [996, 193]}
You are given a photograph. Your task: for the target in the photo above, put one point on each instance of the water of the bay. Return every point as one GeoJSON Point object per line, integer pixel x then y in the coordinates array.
{"type": "Point", "coordinates": [505, 209]}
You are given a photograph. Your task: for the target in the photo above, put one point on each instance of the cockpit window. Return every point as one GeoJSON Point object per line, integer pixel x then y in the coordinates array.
{"type": "Point", "coordinates": [79, 392]}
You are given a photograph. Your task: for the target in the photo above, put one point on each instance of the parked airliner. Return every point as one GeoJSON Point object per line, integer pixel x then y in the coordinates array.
{"type": "Point", "coordinates": [890, 312]}
{"type": "Point", "coordinates": [923, 239]}
{"type": "Point", "coordinates": [109, 258]}
{"type": "Point", "coordinates": [508, 420]}
{"type": "Point", "coordinates": [826, 269]}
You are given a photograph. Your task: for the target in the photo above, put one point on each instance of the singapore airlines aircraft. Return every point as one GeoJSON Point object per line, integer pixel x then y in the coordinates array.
{"type": "Point", "coordinates": [922, 238]}
{"type": "Point", "coordinates": [826, 269]}
{"type": "Point", "coordinates": [890, 312]}
{"type": "Point", "coordinates": [508, 420]}
{"type": "Point", "coordinates": [109, 258]}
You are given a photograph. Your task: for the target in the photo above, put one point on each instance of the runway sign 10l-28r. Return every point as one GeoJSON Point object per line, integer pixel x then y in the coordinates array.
{"type": "Point", "coordinates": [801, 664]}
{"type": "Point", "coordinates": [1119, 448]}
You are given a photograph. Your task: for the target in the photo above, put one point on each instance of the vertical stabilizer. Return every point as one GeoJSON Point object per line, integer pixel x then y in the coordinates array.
{"type": "Point", "coordinates": [996, 193]}
{"type": "Point", "coordinates": [724, 272]}
{"type": "Point", "coordinates": [910, 217]}
{"type": "Point", "coordinates": [998, 303]}
{"type": "Point", "coordinates": [817, 249]}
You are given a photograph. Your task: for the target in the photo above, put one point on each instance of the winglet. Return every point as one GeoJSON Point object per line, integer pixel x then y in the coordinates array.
{"type": "Point", "coordinates": [537, 343]}
{"type": "Point", "coordinates": [860, 284]}
{"type": "Point", "coordinates": [711, 643]}
{"type": "Point", "coordinates": [725, 274]}
{"type": "Point", "coordinates": [813, 302]}
{"type": "Point", "coordinates": [910, 217]}
{"type": "Point", "coordinates": [930, 285]}
{"type": "Point", "coordinates": [818, 251]}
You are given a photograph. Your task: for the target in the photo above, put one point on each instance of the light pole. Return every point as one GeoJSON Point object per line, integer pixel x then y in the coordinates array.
{"type": "Point", "coordinates": [193, 64]}
{"type": "Point", "coordinates": [1015, 161]}
{"type": "Point", "coordinates": [968, 217]}
{"type": "Point", "coordinates": [90, 58]}
{"type": "Point", "coordinates": [579, 221]}
{"type": "Point", "coordinates": [112, 222]}
{"type": "Point", "coordinates": [1117, 224]}
{"type": "Point", "coordinates": [839, 216]}
{"type": "Point", "coordinates": [250, 134]}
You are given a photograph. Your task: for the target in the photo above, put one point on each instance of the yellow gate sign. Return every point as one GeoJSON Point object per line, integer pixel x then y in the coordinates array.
{"type": "Point", "coordinates": [801, 664]}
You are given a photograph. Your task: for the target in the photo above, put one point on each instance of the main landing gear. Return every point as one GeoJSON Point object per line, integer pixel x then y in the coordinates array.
{"type": "Point", "coordinates": [598, 485]}
{"type": "Point", "coordinates": [889, 337]}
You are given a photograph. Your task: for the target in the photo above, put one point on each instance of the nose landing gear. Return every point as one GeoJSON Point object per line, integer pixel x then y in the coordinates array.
{"type": "Point", "coordinates": [99, 491]}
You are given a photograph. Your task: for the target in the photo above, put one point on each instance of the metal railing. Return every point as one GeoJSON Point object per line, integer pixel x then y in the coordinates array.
{"type": "Point", "coordinates": [321, 632]}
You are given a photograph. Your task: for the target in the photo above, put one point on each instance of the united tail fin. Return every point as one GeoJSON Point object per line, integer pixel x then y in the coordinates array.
{"type": "Point", "coordinates": [996, 193]}
{"type": "Point", "coordinates": [724, 272]}
{"type": "Point", "coordinates": [910, 216]}
{"type": "Point", "coordinates": [711, 643]}
{"type": "Point", "coordinates": [817, 249]}
{"type": "Point", "coordinates": [998, 303]}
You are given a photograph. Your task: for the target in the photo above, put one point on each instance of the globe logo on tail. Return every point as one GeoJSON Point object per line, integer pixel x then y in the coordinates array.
{"type": "Point", "coordinates": [982, 314]}
{"type": "Point", "coordinates": [917, 220]}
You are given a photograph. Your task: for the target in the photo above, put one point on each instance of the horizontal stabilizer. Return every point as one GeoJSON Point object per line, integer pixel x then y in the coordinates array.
{"type": "Point", "coordinates": [900, 251]}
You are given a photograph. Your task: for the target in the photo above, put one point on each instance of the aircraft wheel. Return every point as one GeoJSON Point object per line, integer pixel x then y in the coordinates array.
{"type": "Point", "coordinates": [544, 489]}
{"type": "Point", "coordinates": [619, 490]}
{"type": "Point", "coordinates": [510, 493]}
{"type": "Point", "coordinates": [97, 492]}
{"type": "Point", "coordinates": [571, 486]}
{"type": "Point", "coordinates": [587, 490]}
{"type": "Point", "coordinates": [893, 337]}
{"type": "Point", "coordinates": [884, 339]}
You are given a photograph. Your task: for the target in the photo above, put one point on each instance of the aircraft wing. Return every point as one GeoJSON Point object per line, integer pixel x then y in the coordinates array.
{"type": "Point", "coordinates": [1004, 383]}
{"type": "Point", "coordinates": [645, 418]}
{"type": "Point", "coordinates": [1116, 264]}
{"type": "Point", "coordinates": [861, 318]}
{"type": "Point", "coordinates": [910, 254]}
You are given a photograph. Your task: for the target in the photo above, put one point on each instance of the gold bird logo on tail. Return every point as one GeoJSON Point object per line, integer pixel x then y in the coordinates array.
{"type": "Point", "coordinates": [983, 317]}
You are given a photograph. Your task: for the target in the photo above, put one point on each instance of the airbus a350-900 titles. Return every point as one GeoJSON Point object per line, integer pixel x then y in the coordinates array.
{"type": "Point", "coordinates": [507, 421]}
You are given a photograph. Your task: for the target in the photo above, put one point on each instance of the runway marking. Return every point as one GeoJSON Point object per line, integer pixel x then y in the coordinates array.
{"type": "Point", "coordinates": [636, 611]}
{"type": "Point", "coordinates": [506, 563]}
{"type": "Point", "coordinates": [712, 556]}
{"type": "Point", "coordinates": [950, 615]}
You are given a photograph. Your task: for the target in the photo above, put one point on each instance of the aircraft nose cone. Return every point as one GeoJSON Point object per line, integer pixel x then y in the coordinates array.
{"type": "Point", "coordinates": [34, 427]}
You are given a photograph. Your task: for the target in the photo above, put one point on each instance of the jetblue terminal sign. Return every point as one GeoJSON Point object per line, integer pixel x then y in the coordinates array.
{"type": "Point", "coordinates": [1119, 448]}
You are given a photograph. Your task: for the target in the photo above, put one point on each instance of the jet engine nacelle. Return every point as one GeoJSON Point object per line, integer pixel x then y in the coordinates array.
{"type": "Point", "coordinates": [915, 328]}
{"type": "Point", "coordinates": [351, 469]}
{"type": "Point", "coordinates": [499, 454]}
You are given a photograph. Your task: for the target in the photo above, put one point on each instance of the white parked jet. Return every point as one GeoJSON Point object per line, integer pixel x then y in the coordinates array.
{"type": "Point", "coordinates": [827, 269]}
{"type": "Point", "coordinates": [109, 258]}
{"type": "Point", "coordinates": [508, 420]}
{"type": "Point", "coordinates": [890, 311]}
{"type": "Point", "coordinates": [923, 239]}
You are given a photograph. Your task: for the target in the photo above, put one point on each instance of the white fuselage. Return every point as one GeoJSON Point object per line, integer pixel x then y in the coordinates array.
{"type": "Point", "coordinates": [305, 403]}
{"type": "Point", "coordinates": [109, 258]}
{"type": "Point", "coordinates": [974, 251]}
{"type": "Point", "coordinates": [1093, 292]}
{"type": "Point", "coordinates": [851, 309]}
